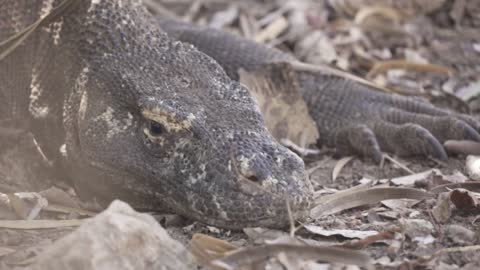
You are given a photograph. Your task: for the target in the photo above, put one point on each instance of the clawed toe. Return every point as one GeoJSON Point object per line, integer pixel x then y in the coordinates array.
{"type": "Point", "coordinates": [358, 139]}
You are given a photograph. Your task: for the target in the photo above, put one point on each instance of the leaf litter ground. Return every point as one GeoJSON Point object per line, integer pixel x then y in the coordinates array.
{"type": "Point", "coordinates": [434, 56]}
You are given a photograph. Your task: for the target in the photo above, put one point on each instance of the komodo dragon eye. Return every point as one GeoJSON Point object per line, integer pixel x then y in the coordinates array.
{"type": "Point", "coordinates": [155, 129]}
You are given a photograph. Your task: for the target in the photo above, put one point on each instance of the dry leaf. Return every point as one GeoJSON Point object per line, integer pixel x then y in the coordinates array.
{"type": "Point", "coordinates": [469, 92]}
{"type": "Point", "coordinates": [331, 204]}
{"type": "Point", "coordinates": [345, 233]}
{"type": "Point", "coordinates": [224, 17]}
{"type": "Point", "coordinates": [263, 235]}
{"type": "Point", "coordinates": [39, 224]}
{"type": "Point", "coordinates": [417, 227]}
{"type": "Point", "coordinates": [59, 197]}
{"type": "Point", "coordinates": [253, 255]}
{"type": "Point", "coordinates": [219, 254]}
{"type": "Point", "coordinates": [316, 48]}
{"type": "Point", "coordinates": [277, 92]}
{"type": "Point", "coordinates": [69, 210]}
{"type": "Point", "coordinates": [368, 11]}
{"type": "Point", "coordinates": [409, 180]}
{"type": "Point", "coordinates": [207, 248]}
{"type": "Point", "coordinates": [21, 208]}
{"type": "Point", "coordinates": [442, 209]}
{"type": "Point", "coordinates": [359, 244]}
{"type": "Point", "coordinates": [459, 234]}
{"type": "Point", "coordinates": [27, 205]}
{"type": "Point", "coordinates": [406, 7]}
{"type": "Point", "coordinates": [384, 66]}
{"type": "Point", "coordinates": [465, 201]}
{"type": "Point", "coordinates": [399, 203]}
{"type": "Point", "coordinates": [339, 166]}
{"type": "Point", "coordinates": [472, 186]}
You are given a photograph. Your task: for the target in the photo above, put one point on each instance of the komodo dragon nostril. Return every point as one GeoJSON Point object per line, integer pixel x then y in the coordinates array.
{"type": "Point", "coordinates": [253, 178]}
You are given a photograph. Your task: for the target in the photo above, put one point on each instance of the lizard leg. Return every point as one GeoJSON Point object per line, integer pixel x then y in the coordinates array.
{"type": "Point", "coordinates": [403, 125]}
{"type": "Point", "coordinates": [349, 115]}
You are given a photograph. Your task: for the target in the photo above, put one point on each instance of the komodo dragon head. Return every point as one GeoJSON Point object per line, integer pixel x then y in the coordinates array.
{"type": "Point", "coordinates": [156, 122]}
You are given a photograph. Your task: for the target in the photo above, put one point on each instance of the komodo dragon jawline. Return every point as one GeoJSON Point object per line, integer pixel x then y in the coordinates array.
{"type": "Point", "coordinates": [128, 112]}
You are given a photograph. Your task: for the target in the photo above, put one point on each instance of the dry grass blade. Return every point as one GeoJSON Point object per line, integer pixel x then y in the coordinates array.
{"type": "Point", "coordinates": [444, 251]}
{"type": "Point", "coordinates": [409, 180]}
{"type": "Point", "coordinates": [331, 204]}
{"type": "Point", "coordinates": [343, 232]}
{"type": "Point", "coordinates": [39, 224]}
{"type": "Point", "coordinates": [68, 210]}
{"type": "Point", "coordinates": [471, 186]}
{"type": "Point", "coordinates": [159, 9]}
{"type": "Point", "coordinates": [9, 45]}
{"type": "Point", "coordinates": [384, 66]}
{"type": "Point", "coordinates": [206, 248]}
{"type": "Point", "coordinates": [362, 243]}
{"type": "Point", "coordinates": [406, 7]}
{"type": "Point", "coordinates": [273, 30]}
{"type": "Point", "coordinates": [459, 249]}
{"type": "Point", "coordinates": [299, 66]}
{"type": "Point", "coordinates": [339, 166]}
{"type": "Point", "coordinates": [398, 163]}
{"type": "Point", "coordinates": [253, 255]}
{"type": "Point", "coordinates": [302, 151]}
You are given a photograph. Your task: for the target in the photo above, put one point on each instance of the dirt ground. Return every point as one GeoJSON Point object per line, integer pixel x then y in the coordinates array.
{"type": "Point", "coordinates": [428, 50]}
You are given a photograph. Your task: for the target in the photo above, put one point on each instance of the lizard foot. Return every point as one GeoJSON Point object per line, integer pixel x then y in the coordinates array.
{"type": "Point", "coordinates": [419, 131]}
{"type": "Point", "coordinates": [356, 119]}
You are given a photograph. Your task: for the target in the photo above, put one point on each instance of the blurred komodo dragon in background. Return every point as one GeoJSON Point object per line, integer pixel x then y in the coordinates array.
{"type": "Point", "coordinates": [126, 111]}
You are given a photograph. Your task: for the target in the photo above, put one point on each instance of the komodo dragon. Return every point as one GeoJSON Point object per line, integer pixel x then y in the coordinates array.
{"type": "Point", "coordinates": [126, 111]}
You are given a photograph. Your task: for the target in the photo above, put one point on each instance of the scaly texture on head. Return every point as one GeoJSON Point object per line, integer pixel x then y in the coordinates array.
{"type": "Point", "coordinates": [155, 122]}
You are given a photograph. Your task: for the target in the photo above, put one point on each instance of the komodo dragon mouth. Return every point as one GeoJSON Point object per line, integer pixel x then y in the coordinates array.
{"type": "Point", "coordinates": [143, 115]}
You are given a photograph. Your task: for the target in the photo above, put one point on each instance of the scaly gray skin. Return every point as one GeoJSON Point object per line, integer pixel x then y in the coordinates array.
{"type": "Point", "coordinates": [127, 112]}
{"type": "Point", "coordinates": [144, 118]}
{"type": "Point", "coordinates": [349, 115]}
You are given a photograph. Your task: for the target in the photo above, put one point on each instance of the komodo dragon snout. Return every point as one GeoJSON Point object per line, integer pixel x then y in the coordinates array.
{"type": "Point", "coordinates": [178, 132]}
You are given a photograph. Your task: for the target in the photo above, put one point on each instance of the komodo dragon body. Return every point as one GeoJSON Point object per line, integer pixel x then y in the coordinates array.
{"type": "Point", "coordinates": [127, 111]}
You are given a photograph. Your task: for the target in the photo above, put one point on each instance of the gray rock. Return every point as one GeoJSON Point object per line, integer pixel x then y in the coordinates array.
{"type": "Point", "coordinates": [459, 234]}
{"type": "Point", "coordinates": [118, 238]}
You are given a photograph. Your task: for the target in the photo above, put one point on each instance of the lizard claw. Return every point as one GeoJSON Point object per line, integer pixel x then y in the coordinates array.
{"type": "Point", "coordinates": [409, 139]}
{"type": "Point", "coordinates": [358, 139]}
